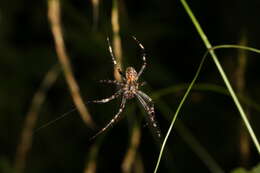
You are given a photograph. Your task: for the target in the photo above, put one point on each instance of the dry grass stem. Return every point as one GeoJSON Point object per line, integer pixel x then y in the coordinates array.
{"type": "Point", "coordinates": [31, 118]}
{"type": "Point", "coordinates": [117, 47]}
{"type": "Point", "coordinates": [130, 156]}
{"type": "Point", "coordinates": [95, 5]}
{"type": "Point", "coordinates": [244, 138]}
{"type": "Point", "coordinates": [54, 19]}
{"type": "Point", "coordinates": [91, 164]}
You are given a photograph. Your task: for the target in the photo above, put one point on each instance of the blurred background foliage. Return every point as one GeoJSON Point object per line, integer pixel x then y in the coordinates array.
{"type": "Point", "coordinates": [174, 51]}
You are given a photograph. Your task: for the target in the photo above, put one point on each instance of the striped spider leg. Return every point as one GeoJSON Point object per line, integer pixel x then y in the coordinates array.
{"type": "Point", "coordinates": [128, 89]}
{"type": "Point", "coordinates": [148, 105]}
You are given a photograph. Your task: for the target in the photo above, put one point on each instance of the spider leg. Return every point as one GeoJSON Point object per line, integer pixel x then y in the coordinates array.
{"type": "Point", "coordinates": [105, 100]}
{"type": "Point", "coordinates": [112, 82]}
{"type": "Point", "coordinates": [143, 57]}
{"type": "Point", "coordinates": [142, 84]}
{"type": "Point", "coordinates": [149, 108]}
{"type": "Point", "coordinates": [114, 59]}
{"type": "Point", "coordinates": [116, 117]}
{"type": "Point", "coordinates": [145, 96]}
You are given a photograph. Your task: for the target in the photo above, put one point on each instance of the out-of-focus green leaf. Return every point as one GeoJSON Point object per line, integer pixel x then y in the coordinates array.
{"type": "Point", "coordinates": [256, 169]}
{"type": "Point", "coordinates": [5, 166]}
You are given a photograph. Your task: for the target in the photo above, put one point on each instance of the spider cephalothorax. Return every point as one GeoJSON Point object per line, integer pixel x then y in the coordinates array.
{"type": "Point", "coordinates": [131, 86]}
{"type": "Point", "coordinates": [128, 89]}
{"type": "Point", "coordinates": [131, 75]}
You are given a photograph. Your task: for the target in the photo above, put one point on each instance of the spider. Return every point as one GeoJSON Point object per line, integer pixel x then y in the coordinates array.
{"type": "Point", "coordinates": [128, 89]}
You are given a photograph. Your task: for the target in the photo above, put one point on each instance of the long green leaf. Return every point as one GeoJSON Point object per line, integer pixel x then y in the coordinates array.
{"type": "Point", "coordinates": [222, 73]}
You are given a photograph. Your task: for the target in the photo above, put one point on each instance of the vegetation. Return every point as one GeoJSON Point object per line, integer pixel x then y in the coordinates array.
{"type": "Point", "coordinates": [202, 74]}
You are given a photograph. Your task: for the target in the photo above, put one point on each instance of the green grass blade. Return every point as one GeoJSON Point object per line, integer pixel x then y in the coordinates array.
{"type": "Point", "coordinates": [157, 95]}
{"type": "Point", "coordinates": [222, 73]}
{"type": "Point", "coordinates": [189, 139]}
{"type": "Point", "coordinates": [177, 112]}
{"type": "Point", "coordinates": [228, 46]}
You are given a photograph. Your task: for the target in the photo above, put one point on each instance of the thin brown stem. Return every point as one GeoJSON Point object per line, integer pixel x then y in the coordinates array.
{"type": "Point", "coordinates": [244, 138]}
{"type": "Point", "coordinates": [55, 23]}
{"type": "Point", "coordinates": [31, 118]}
{"type": "Point", "coordinates": [130, 156]}
{"type": "Point", "coordinates": [117, 47]}
{"type": "Point", "coordinates": [95, 6]}
{"type": "Point", "coordinates": [91, 164]}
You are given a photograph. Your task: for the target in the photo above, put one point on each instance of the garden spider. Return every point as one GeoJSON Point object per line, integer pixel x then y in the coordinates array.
{"type": "Point", "coordinates": [128, 89]}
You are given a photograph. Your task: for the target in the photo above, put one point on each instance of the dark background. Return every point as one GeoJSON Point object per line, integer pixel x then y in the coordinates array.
{"type": "Point", "coordinates": [174, 50]}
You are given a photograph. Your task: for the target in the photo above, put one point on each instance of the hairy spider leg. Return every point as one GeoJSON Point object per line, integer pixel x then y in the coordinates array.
{"type": "Point", "coordinates": [105, 100]}
{"type": "Point", "coordinates": [143, 57]}
{"type": "Point", "coordinates": [116, 117]}
{"type": "Point", "coordinates": [142, 84]}
{"type": "Point", "coordinates": [145, 96]}
{"type": "Point", "coordinates": [114, 59]}
{"type": "Point", "coordinates": [112, 82]}
{"type": "Point", "coordinates": [150, 111]}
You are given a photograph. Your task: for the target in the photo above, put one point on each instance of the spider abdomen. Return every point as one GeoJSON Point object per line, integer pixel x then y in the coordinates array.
{"type": "Point", "coordinates": [129, 95]}
{"type": "Point", "coordinates": [130, 90]}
